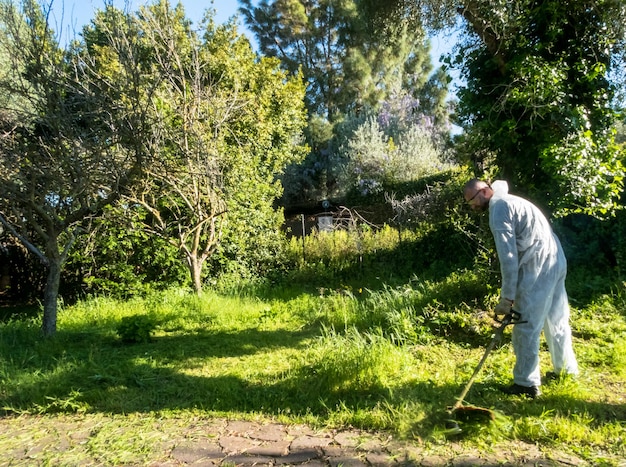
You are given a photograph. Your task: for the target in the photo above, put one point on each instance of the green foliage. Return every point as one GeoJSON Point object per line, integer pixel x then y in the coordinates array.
{"type": "Point", "coordinates": [120, 259]}
{"type": "Point", "coordinates": [350, 362]}
{"type": "Point", "coordinates": [366, 65]}
{"type": "Point", "coordinates": [261, 143]}
{"type": "Point", "coordinates": [351, 65]}
{"type": "Point", "coordinates": [429, 235]}
{"type": "Point", "coordinates": [363, 257]}
{"type": "Point", "coordinates": [226, 123]}
{"type": "Point", "coordinates": [377, 156]}
{"type": "Point", "coordinates": [589, 174]}
{"type": "Point", "coordinates": [418, 312]}
{"type": "Point", "coordinates": [64, 154]}
{"type": "Point", "coordinates": [539, 103]}
{"type": "Point", "coordinates": [136, 329]}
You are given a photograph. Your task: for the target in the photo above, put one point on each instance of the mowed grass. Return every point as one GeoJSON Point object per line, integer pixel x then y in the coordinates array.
{"type": "Point", "coordinates": [390, 359]}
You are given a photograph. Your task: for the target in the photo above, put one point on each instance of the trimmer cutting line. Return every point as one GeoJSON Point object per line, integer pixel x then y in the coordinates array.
{"type": "Point", "coordinates": [469, 411]}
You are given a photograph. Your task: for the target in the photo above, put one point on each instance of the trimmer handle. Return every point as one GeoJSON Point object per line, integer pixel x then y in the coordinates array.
{"type": "Point", "coordinates": [513, 317]}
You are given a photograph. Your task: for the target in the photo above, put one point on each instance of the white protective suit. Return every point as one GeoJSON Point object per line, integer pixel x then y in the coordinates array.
{"type": "Point", "coordinates": [533, 269]}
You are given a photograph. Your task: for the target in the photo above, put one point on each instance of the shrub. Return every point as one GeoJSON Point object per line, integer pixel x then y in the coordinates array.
{"type": "Point", "coordinates": [136, 329]}
{"type": "Point", "coordinates": [375, 160]}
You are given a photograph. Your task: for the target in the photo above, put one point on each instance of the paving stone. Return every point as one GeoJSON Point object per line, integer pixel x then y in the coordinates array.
{"type": "Point", "coordinates": [338, 455]}
{"type": "Point", "coordinates": [312, 463]}
{"type": "Point", "coordinates": [379, 459]}
{"type": "Point", "coordinates": [347, 439]}
{"type": "Point", "coordinates": [241, 460]}
{"type": "Point", "coordinates": [80, 436]}
{"type": "Point", "coordinates": [299, 430]}
{"type": "Point", "coordinates": [489, 460]}
{"type": "Point", "coordinates": [566, 459]}
{"type": "Point", "coordinates": [190, 454]}
{"type": "Point", "coordinates": [200, 429]}
{"type": "Point", "coordinates": [411, 452]}
{"type": "Point", "coordinates": [370, 443]}
{"type": "Point", "coordinates": [306, 442]}
{"type": "Point", "coordinates": [207, 442]}
{"type": "Point", "coordinates": [212, 426]}
{"type": "Point", "coordinates": [237, 444]}
{"type": "Point", "coordinates": [270, 432]}
{"type": "Point", "coordinates": [274, 449]}
{"type": "Point", "coordinates": [14, 454]}
{"type": "Point", "coordinates": [467, 461]}
{"type": "Point", "coordinates": [336, 451]}
{"type": "Point", "coordinates": [242, 428]}
{"type": "Point", "coordinates": [207, 445]}
{"type": "Point", "coordinates": [42, 445]}
{"type": "Point", "coordinates": [298, 457]}
{"type": "Point", "coordinates": [433, 461]}
{"type": "Point", "coordinates": [347, 462]}
{"type": "Point", "coordinates": [165, 464]}
{"type": "Point", "coordinates": [535, 463]}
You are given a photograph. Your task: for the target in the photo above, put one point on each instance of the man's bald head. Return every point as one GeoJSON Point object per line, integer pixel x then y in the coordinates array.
{"type": "Point", "coordinates": [474, 185]}
{"type": "Point", "coordinates": [477, 194]}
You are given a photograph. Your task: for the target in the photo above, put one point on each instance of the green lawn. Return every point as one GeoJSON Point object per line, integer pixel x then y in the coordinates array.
{"type": "Point", "coordinates": [392, 359]}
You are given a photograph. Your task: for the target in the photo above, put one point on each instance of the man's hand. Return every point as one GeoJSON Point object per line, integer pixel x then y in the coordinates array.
{"type": "Point", "coordinates": [503, 308]}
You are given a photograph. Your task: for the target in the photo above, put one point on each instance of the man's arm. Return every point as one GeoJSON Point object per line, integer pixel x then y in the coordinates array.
{"type": "Point", "coordinates": [503, 231]}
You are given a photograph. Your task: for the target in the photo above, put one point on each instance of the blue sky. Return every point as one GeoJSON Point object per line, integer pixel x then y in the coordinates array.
{"type": "Point", "coordinates": [71, 15]}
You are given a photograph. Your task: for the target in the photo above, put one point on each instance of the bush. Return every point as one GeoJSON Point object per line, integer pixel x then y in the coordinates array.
{"type": "Point", "coordinates": [136, 329]}
{"type": "Point", "coordinates": [120, 259]}
{"type": "Point", "coordinates": [375, 160]}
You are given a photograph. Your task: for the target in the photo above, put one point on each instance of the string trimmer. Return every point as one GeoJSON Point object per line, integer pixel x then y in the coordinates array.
{"type": "Point", "coordinates": [469, 411]}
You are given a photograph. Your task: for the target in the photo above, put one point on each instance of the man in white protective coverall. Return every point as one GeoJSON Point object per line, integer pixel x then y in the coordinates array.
{"type": "Point", "coordinates": [533, 269]}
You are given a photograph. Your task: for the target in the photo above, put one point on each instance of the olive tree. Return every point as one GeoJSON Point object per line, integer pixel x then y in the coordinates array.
{"type": "Point", "coordinates": [65, 147]}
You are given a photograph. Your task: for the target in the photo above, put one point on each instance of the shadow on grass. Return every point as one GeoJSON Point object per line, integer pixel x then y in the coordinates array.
{"type": "Point", "coordinates": [93, 372]}
{"type": "Point", "coordinates": [83, 372]}
{"type": "Point", "coordinates": [78, 373]}
{"type": "Point", "coordinates": [10, 310]}
{"type": "Point", "coordinates": [522, 418]}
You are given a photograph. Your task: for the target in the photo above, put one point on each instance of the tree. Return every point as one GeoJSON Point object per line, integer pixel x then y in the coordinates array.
{"type": "Point", "coordinates": [259, 144]}
{"type": "Point", "coordinates": [346, 64]}
{"type": "Point", "coordinates": [395, 145]}
{"type": "Point", "coordinates": [64, 145]}
{"type": "Point", "coordinates": [538, 106]}
{"type": "Point", "coordinates": [539, 99]}
{"type": "Point", "coordinates": [350, 63]}
{"type": "Point", "coordinates": [224, 126]}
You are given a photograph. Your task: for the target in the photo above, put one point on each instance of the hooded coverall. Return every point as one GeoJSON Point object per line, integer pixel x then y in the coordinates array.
{"type": "Point", "coordinates": [533, 269]}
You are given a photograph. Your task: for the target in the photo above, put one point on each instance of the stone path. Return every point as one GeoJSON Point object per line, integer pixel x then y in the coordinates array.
{"type": "Point", "coordinates": [250, 444]}
{"type": "Point", "coordinates": [227, 443]}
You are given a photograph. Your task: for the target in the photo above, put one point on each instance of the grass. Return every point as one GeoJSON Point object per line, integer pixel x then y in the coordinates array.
{"type": "Point", "coordinates": [390, 359]}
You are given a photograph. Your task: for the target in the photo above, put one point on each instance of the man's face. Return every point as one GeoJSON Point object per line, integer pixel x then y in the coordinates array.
{"type": "Point", "coordinates": [476, 199]}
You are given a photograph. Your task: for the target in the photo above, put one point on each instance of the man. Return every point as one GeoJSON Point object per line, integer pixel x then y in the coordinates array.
{"type": "Point", "coordinates": [533, 269]}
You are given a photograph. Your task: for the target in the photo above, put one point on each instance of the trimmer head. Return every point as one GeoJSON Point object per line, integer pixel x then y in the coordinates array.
{"type": "Point", "coordinates": [472, 412]}
{"type": "Point", "coordinates": [464, 414]}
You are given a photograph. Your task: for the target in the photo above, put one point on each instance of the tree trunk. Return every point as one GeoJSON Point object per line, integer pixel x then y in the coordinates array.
{"type": "Point", "coordinates": [50, 297]}
{"type": "Point", "coordinates": [471, 12]}
{"type": "Point", "coordinates": [195, 269]}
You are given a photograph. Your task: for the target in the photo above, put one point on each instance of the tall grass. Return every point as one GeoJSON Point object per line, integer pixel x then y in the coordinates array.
{"type": "Point", "coordinates": [391, 357]}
